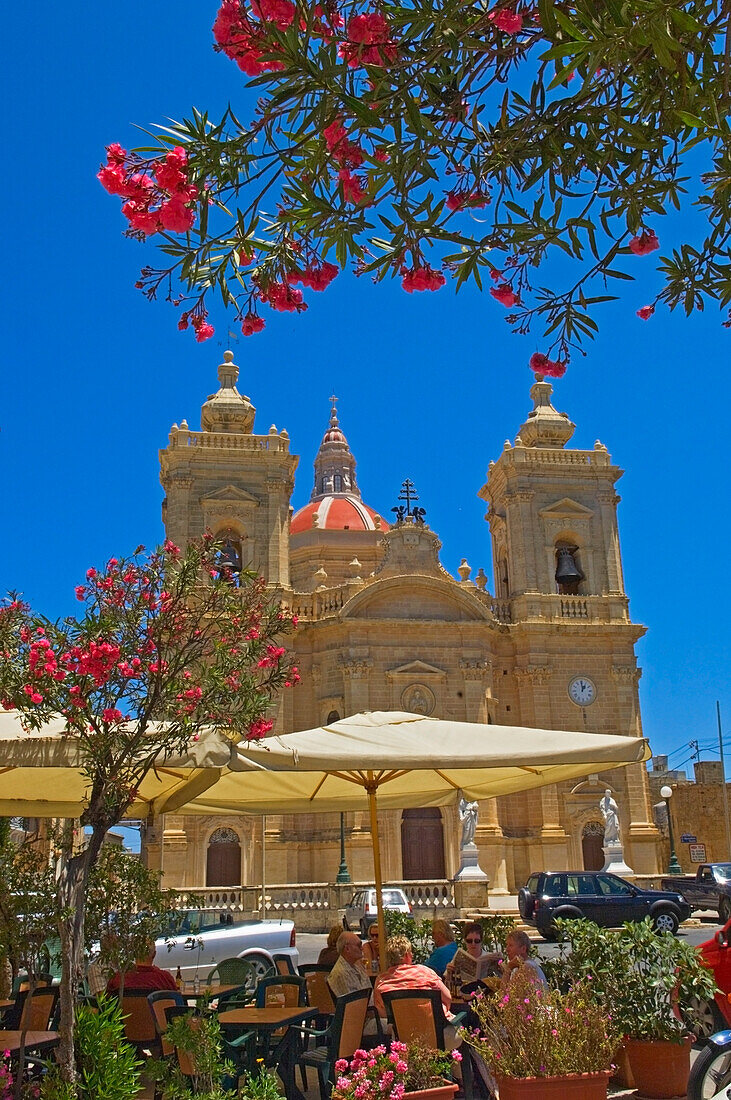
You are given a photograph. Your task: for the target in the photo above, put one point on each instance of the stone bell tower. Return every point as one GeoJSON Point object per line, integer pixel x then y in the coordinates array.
{"type": "Point", "coordinates": [230, 481]}
{"type": "Point", "coordinates": [558, 583]}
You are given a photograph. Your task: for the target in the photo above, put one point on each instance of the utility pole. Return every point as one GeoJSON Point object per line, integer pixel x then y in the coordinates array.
{"type": "Point", "coordinates": [723, 781]}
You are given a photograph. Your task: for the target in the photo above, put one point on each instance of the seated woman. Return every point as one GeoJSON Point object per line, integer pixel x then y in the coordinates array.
{"type": "Point", "coordinates": [371, 954]}
{"type": "Point", "coordinates": [460, 971]}
{"type": "Point", "coordinates": [444, 946]}
{"type": "Point", "coordinates": [329, 954]}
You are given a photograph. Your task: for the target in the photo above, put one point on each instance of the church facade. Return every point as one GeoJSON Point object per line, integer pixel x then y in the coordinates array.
{"type": "Point", "coordinates": [383, 626]}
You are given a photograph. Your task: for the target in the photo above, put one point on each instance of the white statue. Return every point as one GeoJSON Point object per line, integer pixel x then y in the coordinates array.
{"type": "Point", "coordinates": [468, 816]}
{"type": "Point", "coordinates": [610, 813]}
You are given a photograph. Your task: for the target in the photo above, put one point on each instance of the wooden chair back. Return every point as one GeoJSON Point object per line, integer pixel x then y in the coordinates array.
{"type": "Point", "coordinates": [416, 1014]}
{"type": "Point", "coordinates": [159, 1002]}
{"type": "Point", "coordinates": [284, 964]}
{"type": "Point", "coordinates": [348, 1023]}
{"type": "Point", "coordinates": [278, 989]}
{"type": "Point", "coordinates": [39, 1010]}
{"type": "Point", "coordinates": [318, 991]}
{"type": "Point", "coordinates": [139, 1022]}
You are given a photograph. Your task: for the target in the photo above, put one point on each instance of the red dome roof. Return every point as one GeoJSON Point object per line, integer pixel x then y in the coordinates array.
{"type": "Point", "coordinates": [336, 513]}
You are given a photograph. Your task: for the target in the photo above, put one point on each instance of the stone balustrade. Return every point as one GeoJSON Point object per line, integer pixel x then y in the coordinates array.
{"type": "Point", "coordinates": [315, 906]}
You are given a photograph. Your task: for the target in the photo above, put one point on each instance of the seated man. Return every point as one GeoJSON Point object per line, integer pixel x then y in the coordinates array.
{"type": "Point", "coordinates": [404, 973]}
{"type": "Point", "coordinates": [444, 946]}
{"type": "Point", "coordinates": [517, 946]}
{"type": "Point", "coordinates": [349, 973]}
{"type": "Point", "coordinates": [144, 975]}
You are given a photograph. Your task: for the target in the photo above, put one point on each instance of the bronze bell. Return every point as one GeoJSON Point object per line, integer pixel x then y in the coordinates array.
{"type": "Point", "coordinates": [567, 571]}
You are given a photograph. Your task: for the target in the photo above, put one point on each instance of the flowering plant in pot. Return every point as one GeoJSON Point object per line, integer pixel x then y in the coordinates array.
{"type": "Point", "coordinates": [392, 1074]}
{"type": "Point", "coordinates": [539, 1041]}
{"type": "Point", "coordinates": [651, 980]}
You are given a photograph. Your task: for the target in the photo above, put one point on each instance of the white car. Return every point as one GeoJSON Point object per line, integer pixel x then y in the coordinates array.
{"type": "Point", "coordinates": [362, 911]}
{"type": "Point", "coordinates": [199, 939]}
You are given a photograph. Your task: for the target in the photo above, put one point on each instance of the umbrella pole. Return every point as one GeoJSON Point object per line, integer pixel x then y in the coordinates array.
{"type": "Point", "coordinates": [376, 842]}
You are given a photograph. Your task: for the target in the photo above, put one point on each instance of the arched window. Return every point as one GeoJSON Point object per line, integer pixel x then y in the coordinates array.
{"type": "Point", "coordinates": [337, 483]}
{"type": "Point", "coordinates": [223, 861]}
{"type": "Point", "coordinates": [333, 716]}
{"type": "Point", "coordinates": [502, 579]}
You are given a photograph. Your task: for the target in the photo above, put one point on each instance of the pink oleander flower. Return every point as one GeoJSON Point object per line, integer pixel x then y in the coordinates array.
{"type": "Point", "coordinates": [421, 278]}
{"type": "Point", "coordinates": [645, 313]}
{"type": "Point", "coordinates": [508, 21]}
{"type": "Point", "coordinates": [643, 244]}
{"type": "Point", "coordinates": [505, 295]}
{"type": "Point", "coordinates": [541, 364]}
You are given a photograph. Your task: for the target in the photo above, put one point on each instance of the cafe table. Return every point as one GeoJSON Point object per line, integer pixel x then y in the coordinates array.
{"type": "Point", "coordinates": [34, 1040]}
{"type": "Point", "coordinates": [266, 1020]}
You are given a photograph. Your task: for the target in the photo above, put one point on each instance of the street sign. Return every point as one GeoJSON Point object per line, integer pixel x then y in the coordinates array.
{"type": "Point", "coordinates": [688, 838]}
{"type": "Point", "coordinates": [697, 853]}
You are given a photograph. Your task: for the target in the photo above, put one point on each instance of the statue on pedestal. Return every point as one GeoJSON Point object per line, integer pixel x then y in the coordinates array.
{"type": "Point", "coordinates": [610, 812]}
{"type": "Point", "coordinates": [469, 857]}
{"type": "Point", "coordinates": [468, 812]}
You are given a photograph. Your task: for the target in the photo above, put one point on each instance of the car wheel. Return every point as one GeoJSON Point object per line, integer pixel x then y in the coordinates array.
{"type": "Point", "coordinates": [709, 1074]}
{"type": "Point", "coordinates": [703, 1018]}
{"type": "Point", "coordinates": [724, 909]}
{"type": "Point", "coordinates": [525, 903]}
{"type": "Point", "coordinates": [666, 920]}
{"type": "Point", "coordinates": [261, 964]}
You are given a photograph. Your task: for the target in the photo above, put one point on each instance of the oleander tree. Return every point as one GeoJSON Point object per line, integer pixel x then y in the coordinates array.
{"type": "Point", "coordinates": [533, 147]}
{"type": "Point", "coordinates": [170, 643]}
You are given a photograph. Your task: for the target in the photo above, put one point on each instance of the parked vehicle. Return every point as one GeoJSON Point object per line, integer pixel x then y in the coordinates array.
{"type": "Point", "coordinates": [362, 909]}
{"type": "Point", "coordinates": [599, 896]}
{"type": "Point", "coordinates": [711, 1016]}
{"type": "Point", "coordinates": [708, 888]}
{"type": "Point", "coordinates": [710, 1073]}
{"type": "Point", "coordinates": [199, 939]}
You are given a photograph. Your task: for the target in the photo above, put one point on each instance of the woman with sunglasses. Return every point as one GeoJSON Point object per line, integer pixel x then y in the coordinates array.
{"type": "Point", "coordinates": [472, 940]}
{"type": "Point", "coordinates": [371, 956]}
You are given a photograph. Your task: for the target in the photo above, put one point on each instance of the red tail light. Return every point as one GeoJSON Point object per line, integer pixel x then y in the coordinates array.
{"type": "Point", "coordinates": [293, 937]}
{"type": "Point", "coordinates": [367, 908]}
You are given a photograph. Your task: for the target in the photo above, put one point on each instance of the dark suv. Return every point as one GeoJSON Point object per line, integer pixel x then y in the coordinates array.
{"type": "Point", "coordinates": [598, 896]}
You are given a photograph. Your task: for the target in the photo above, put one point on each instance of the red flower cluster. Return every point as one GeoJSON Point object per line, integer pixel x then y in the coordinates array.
{"type": "Point", "coordinates": [242, 40]}
{"type": "Point", "coordinates": [456, 200]}
{"type": "Point", "coordinates": [316, 278]}
{"type": "Point", "coordinates": [342, 150]}
{"type": "Point", "coordinates": [274, 655]}
{"type": "Point", "coordinates": [252, 323]}
{"type": "Point", "coordinates": [203, 330]}
{"type": "Point", "coordinates": [646, 242]}
{"type": "Point", "coordinates": [96, 661]}
{"type": "Point", "coordinates": [541, 364]}
{"type": "Point", "coordinates": [369, 41]}
{"type": "Point", "coordinates": [645, 313]}
{"type": "Point", "coordinates": [283, 297]}
{"type": "Point", "coordinates": [505, 294]}
{"type": "Point", "coordinates": [259, 729]}
{"type": "Point", "coordinates": [353, 190]}
{"type": "Point", "coordinates": [421, 278]}
{"type": "Point", "coordinates": [279, 12]}
{"type": "Point", "coordinates": [153, 204]}
{"type": "Point", "coordinates": [505, 20]}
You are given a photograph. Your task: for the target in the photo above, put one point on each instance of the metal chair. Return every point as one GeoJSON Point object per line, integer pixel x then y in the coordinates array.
{"type": "Point", "coordinates": [159, 1002]}
{"type": "Point", "coordinates": [139, 1021]}
{"type": "Point", "coordinates": [284, 964]}
{"type": "Point", "coordinates": [340, 1040]}
{"type": "Point", "coordinates": [418, 1014]}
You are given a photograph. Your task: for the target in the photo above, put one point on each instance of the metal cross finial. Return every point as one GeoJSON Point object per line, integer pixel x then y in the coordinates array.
{"type": "Point", "coordinates": [409, 494]}
{"type": "Point", "coordinates": [334, 400]}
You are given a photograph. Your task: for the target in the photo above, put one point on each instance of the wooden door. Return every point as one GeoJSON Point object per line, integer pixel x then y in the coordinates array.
{"type": "Point", "coordinates": [223, 861]}
{"type": "Point", "coordinates": [422, 844]}
{"type": "Point", "coordinates": [592, 839]}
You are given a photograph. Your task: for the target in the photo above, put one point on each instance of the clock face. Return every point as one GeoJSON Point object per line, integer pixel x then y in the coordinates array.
{"type": "Point", "coordinates": [582, 691]}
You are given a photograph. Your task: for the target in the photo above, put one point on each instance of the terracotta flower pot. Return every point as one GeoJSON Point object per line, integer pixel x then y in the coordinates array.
{"type": "Point", "coordinates": [622, 1074]}
{"type": "Point", "coordinates": [660, 1069]}
{"type": "Point", "coordinates": [570, 1086]}
{"type": "Point", "coordinates": [439, 1092]}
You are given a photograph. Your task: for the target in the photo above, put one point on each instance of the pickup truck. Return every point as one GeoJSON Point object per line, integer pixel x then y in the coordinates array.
{"type": "Point", "coordinates": [708, 888]}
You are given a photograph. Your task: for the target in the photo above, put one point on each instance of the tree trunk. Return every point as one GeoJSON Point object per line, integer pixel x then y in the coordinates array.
{"type": "Point", "coordinates": [71, 894]}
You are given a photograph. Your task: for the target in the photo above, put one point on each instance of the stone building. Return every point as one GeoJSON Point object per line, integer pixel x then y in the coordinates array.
{"type": "Point", "coordinates": [383, 626]}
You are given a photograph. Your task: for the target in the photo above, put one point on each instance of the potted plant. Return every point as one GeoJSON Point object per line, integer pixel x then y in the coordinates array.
{"type": "Point", "coordinates": [404, 1070]}
{"type": "Point", "coordinates": [650, 980]}
{"type": "Point", "coordinates": [540, 1043]}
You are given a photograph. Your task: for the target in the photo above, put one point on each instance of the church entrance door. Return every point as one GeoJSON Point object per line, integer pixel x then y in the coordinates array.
{"type": "Point", "coordinates": [422, 844]}
{"type": "Point", "coordinates": [223, 861]}
{"type": "Point", "coordinates": [592, 839]}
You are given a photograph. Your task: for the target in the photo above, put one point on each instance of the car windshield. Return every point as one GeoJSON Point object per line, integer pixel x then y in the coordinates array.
{"type": "Point", "coordinates": [189, 922]}
{"type": "Point", "coordinates": [723, 870]}
{"type": "Point", "coordinates": [390, 897]}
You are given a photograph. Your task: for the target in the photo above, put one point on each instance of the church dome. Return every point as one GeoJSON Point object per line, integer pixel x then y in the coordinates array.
{"type": "Point", "coordinates": [341, 512]}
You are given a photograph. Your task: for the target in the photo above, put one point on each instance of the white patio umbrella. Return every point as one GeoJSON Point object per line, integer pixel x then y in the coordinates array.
{"type": "Point", "coordinates": [400, 760]}
{"type": "Point", "coordinates": [41, 773]}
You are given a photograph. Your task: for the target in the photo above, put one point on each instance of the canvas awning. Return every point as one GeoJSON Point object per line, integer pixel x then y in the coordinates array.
{"type": "Point", "coordinates": [41, 773]}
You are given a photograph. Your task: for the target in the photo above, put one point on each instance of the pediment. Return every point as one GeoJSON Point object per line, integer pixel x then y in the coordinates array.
{"type": "Point", "coordinates": [416, 668]}
{"type": "Point", "coordinates": [565, 508]}
{"type": "Point", "coordinates": [416, 598]}
{"type": "Point", "coordinates": [229, 494]}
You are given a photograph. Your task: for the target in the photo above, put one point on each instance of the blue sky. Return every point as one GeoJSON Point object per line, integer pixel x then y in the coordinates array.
{"type": "Point", "coordinates": [429, 385]}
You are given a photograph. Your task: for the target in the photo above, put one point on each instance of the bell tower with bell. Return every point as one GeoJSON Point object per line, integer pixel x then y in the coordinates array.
{"type": "Point", "coordinates": [559, 588]}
